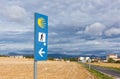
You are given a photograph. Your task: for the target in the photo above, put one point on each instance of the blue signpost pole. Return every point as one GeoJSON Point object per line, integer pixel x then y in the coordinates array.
{"type": "Point", "coordinates": [40, 40]}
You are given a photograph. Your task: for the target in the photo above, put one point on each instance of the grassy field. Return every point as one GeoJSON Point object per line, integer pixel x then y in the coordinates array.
{"type": "Point", "coordinates": [99, 75]}
{"type": "Point", "coordinates": [14, 68]}
{"type": "Point", "coordinates": [115, 65]}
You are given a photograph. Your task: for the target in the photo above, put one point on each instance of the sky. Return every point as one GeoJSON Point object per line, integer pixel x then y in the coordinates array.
{"type": "Point", "coordinates": [76, 27]}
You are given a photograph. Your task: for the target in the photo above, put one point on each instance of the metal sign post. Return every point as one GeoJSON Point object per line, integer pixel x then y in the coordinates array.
{"type": "Point", "coordinates": [40, 40]}
{"type": "Point", "coordinates": [35, 69]}
{"type": "Point", "coordinates": [89, 63]}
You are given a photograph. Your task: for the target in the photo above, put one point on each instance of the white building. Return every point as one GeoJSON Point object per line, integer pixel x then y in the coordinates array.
{"type": "Point", "coordinates": [114, 56]}
{"type": "Point", "coordinates": [20, 56]}
{"type": "Point", "coordinates": [87, 58]}
{"type": "Point", "coordinates": [83, 59]}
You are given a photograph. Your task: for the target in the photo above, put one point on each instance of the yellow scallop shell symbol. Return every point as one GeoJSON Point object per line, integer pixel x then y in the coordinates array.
{"type": "Point", "coordinates": [41, 22]}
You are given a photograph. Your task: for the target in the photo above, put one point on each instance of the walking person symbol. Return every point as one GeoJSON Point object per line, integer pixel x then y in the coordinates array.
{"type": "Point", "coordinates": [41, 38]}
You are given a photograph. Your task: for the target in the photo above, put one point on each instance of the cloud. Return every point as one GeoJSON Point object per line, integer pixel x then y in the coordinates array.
{"type": "Point", "coordinates": [15, 13]}
{"type": "Point", "coordinates": [74, 25]}
{"type": "Point", "coordinates": [95, 29]}
{"type": "Point", "coordinates": [14, 28]}
{"type": "Point", "coordinates": [112, 31]}
{"type": "Point", "coordinates": [52, 34]}
{"type": "Point", "coordinates": [79, 32]}
{"type": "Point", "coordinates": [79, 46]}
{"type": "Point", "coordinates": [5, 48]}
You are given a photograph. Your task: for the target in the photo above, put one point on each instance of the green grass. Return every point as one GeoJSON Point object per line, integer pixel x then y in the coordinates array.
{"type": "Point", "coordinates": [98, 75]}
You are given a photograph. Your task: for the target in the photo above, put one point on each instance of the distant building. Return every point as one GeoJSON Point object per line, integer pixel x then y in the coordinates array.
{"type": "Point", "coordinates": [112, 56]}
{"type": "Point", "coordinates": [67, 61]}
{"type": "Point", "coordinates": [58, 59]}
{"type": "Point", "coordinates": [116, 59]}
{"type": "Point", "coordinates": [87, 58]}
{"type": "Point", "coordinates": [97, 59]}
{"type": "Point", "coordinates": [83, 59]}
{"type": "Point", "coordinates": [20, 56]}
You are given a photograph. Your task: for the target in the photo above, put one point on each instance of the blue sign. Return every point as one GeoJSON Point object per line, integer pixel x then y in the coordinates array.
{"type": "Point", "coordinates": [40, 37]}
